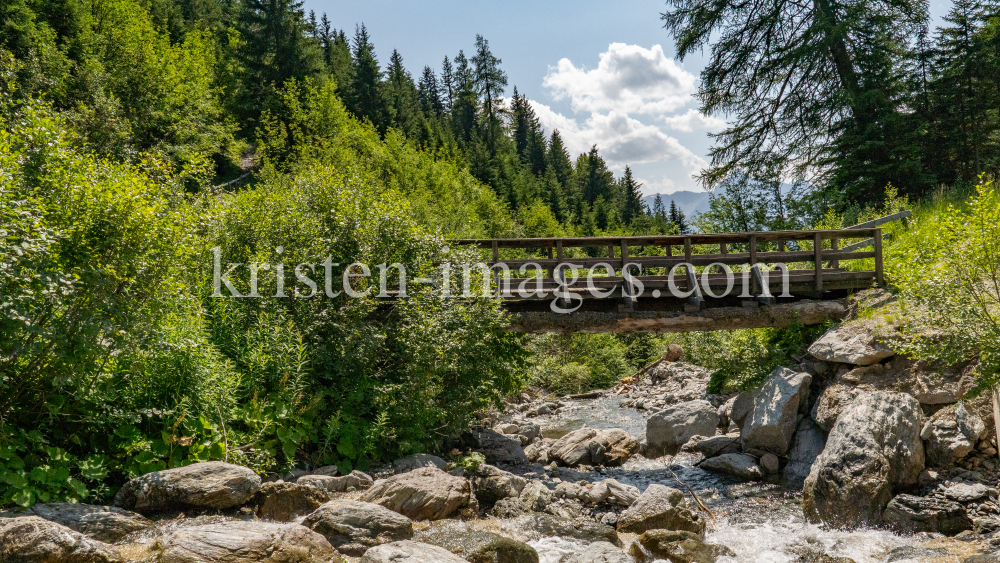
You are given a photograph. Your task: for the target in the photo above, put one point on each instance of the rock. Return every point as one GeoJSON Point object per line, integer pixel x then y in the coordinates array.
{"type": "Point", "coordinates": [769, 463]}
{"type": "Point", "coordinates": [741, 408]}
{"type": "Point", "coordinates": [676, 547]}
{"type": "Point", "coordinates": [772, 419]}
{"type": "Point", "coordinates": [588, 446]}
{"type": "Point", "coordinates": [963, 492]}
{"type": "Point", "coordinates": [983, 558]}
{"type": "Point", "coordinates": [908, 514]}
{"type": "Point", "coordinates": [356, 479]}
{"type": "Point", "coordinates": [714, 446]}
{"type": "Point", "coordinates": [328, 470]}
{"type": "Point", "coordinates": [507, 428]}
{"type": "Point", "coordinates": [740, 466]}
{"type": "Point", "coordinates": [491, 484]}
{"type": "Point", "coordinates": [807, 444]}
{"type": "Point", "coordinates": [423, 494]}
{"type": "Point", "coordinates": [674, 353]}
{"type": "Point", "coordinates": [416, 461]}
{"type": "Point", "coordinates": [598, 552]}
{"type": "Point", "coordinates": [539, 451]}
{"type": "Point", "coordinates": [612, 491]}
{"type": "Point", "coordinates": [671, 428]}
{"type": "Point", "coordinates": [410, 552]}
{"type": "Point", "coordinates": [211, 484]}
{"type": "Point", "coordinates": [30, 539]}
{"type": "Point", "coordinates": [530, 430]}
{"type": "Point", "coordinates": [498, 448]}
{"type": "Point", "coordinates": [874, 448]}
{"type": "Point", "coordinates": [831, 403]}
{"type": "Point", "coordinates": [536, 496]}
{"type": "Point", "coordinates": [108, 524]}
{"type": "Point", "coordinates": [679, 382]}
{"type": "Point", "coordinates": [818, 557]}
{"type": "Point", "coordinates": [907, 552]}
{"type": "Point", "coordinates": [660, 507]}
{"type": "Point", "coordinates": [284, 502]}
{"type": "Point", "coordinates": [580, 529]}
{"type": "Point", "coordinates": [850, 344]}
{"type": "Point", "coordinates": [478, 546]}
{"type": "Point", "coordinates": [951, 434]}
{"type": "Point", "coordinates": [352, 526]}
{"type": "Point", "coordinates": [239, 541]}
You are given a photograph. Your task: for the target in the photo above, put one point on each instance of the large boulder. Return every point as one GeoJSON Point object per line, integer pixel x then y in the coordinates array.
{"type": "Point", "coordinates": [740, 466]}
{"type": "Point", "coordinates": [714, 446]}
{"type": "Point", "coordinates": [850, 344]}
{"type": "Point", "coordinates": [108, 524]}
{"type": "Point", "coordinates": [238, 541]}
{"type": "Point", "coordinates": [771, 422]}
{"type": "Point", "coordinates": [951, 434]}
{"type": "Point", "coordinates": [873, 449]}
{"type": "Point", "coordinates": [583, 529]}
{"type": "Point", "coordinates": [352, 526]}
{"type": "Point", "coordinates": [660, 508]}
{"type": "Point", "coordinates": [30, 539]}
{"type": "Point", "coordinates": [478, 546]}
{"type": "Point", "coordinates": [354, 481]}
{"type": "Point", "coordinates": [416, 461]}
{"type": "Point", "coordinates": [491, 484]}
{"type": "Point", "coordinates": [423, 494]}
{"type": "Point", "coordinates": [598, 552]}
{"type": "Point", "coordinates": [212, 484]}
{"type": "Point", "coordinates": [908, 514]}
{"type": "Point", "coordinates": [284, 502]}
{"type": "Point", "coordinates": [832, 401]}
{"type": "Point", "coordinates": [408, 551]}
{"type": "Point", "coordinates": [671, 428]}
{"type": "Point", "coordinates": [676, 547]}
{"type": "Point", "coordinates": [497, 448]}
{"type": "Point", "coordinates": [538, 452]}
{"type": "Point", "coordinates": [588, 446]}
{"type": "Point", "coordinates": [807, 444]}
{"type": "Point", "coordinates": [740, 409]}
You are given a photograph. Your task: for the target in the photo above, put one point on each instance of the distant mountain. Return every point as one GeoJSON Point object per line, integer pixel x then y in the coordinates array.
{"type": "Point", "coordinates": [689, 202]}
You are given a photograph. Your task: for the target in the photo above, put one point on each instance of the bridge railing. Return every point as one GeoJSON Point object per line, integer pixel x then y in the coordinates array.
{"type": "Point", "coordinates": [747, 251]}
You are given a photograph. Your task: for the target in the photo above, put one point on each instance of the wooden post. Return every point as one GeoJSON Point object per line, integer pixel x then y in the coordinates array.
{"type": "Point", "coordinates": [818, 260]}
{"type": "Point", "coordinates": [879, 273]}
{"type": "Point", "coordinates": [552, 271]}
{"type": "Point", "coordinates": [624, 253]}
{"type": "Point", "coordinates": [834, 243]}
{"type": "Point", "coordinates": [722, 248]}
{"type": "Point", "coordinates": [496, 252]}
{"type": "Point", "coordinates": [611, 251]}
{"type": "Point", "coordinates": [753, 261]}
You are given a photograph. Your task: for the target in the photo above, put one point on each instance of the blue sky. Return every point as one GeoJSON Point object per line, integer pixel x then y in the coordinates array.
{"type": "Point", "coordinates": [601, 72]}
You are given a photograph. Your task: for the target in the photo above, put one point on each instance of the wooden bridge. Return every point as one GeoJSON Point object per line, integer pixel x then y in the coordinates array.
{"type": "Point", "coordinates": [630, 287]}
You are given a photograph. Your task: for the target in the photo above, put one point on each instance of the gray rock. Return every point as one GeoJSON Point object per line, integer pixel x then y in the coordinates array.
{"type": "Point", "coordinates": [612, 491]}
{"type": "Point", "coordinates": [660, 507]}
{"type": "Point", "coordinates": [772, 419]}
{"type": "Point", "coordinates": [831, 403]}
{"type": "Point", "coordinates": [807, 444]}
{"type": "Point", "coordinates": [423, 494]}
{"type": "Point", "coordinates": [740, 466]}
{"type": "Point", "coordinates": [769, 463]}
{"type": "Point", "coordinates": [714, 446]}
{"type": "Point", "coordinates": [491, 484]}
{"type": "Point", "coordinates": [499, 449]}
{"type": "Point", "coordinates": [328, 470]}
{"type": "Point", "coordinates": [408, 551]}
{"type": "Point", "coordinates": [416, 461]}
{"type": "Point", "coordinates": [212, 484]}
{"type": "Point", "coordinates": [874, 448]}
{"type": "Point", "coordinates": [103, 523]}
{"type": "Point", "coordinates": [908, 514]}
{"type": "Point", "coordinates": [530, 430]}
{"type": "Point", "coordinates": [909, 552]}
{"type": "Point", "coordinates": [993, 557]}
{"type": "Point", "coordinates": [538, 452]}
{"type": "Point", "coordinates": [951, 434]}
{"type": "Point", "coordinates": [352, 526]}
{"type": "Point", "coordinates": [507, 428]}
{"type": "Point", "coordinates": [239, 541]}
{"type": "Point", "coordinates": [671, 428]}
{"type": "Point", "coordinates": [677, 547]}
{"type": "Point", "coordinates": [284, 502]}
{"type": "Point", "coordinates": [963, 492]}
{"type": "Point", "coordinates": [30, 539]}
{"type": "Point", "coordinates": [599, 552]}
{"type": "Point", "coordinates": [589, 446]}
{"type": "Point", "coordinates": [580, 529]}
{"type": "Point", "coordinates": [356, 480]}
{"type": "Point", "coordinates": [850, 345]}
{"type": "Point", "coordinates": [741, 408]}
{"type": "Point", "coordinates": [478, 546]}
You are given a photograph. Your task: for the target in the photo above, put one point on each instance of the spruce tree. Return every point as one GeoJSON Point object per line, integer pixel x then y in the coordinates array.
{"type": "Point", "coordinates": [365, 97]}
{"type": "Point", "coordinates": [429, 93]}
{"type": "Point", "coordinates": [677, 218]}
{"type": "Point", "coordinates": [659, 212]}
{"type": "Point", "coordinates": [558, 160]}
{"type": "Point", "coordinates": [633, 207]}
{"type": "Point", "coordinates": [464, 112]}
{"type": "Point", "coordinates": [400, 95]}
{"type": "Point", "coordinates": [447, 84]}
{"type": "Point", "coordinates": [490, 82]}
{"type": "Point", "coordinates": [341, 66]}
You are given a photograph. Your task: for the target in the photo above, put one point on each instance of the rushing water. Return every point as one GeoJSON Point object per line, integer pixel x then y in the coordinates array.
{"type": "Point", "coordinates": [761, 523]}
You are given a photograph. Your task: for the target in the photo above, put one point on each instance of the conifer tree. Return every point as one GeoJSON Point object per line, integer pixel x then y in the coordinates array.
{"type": "Point", "coordinates": [633, 207]}
{"type": "Point", "coordinates": [558, 160]}
{"type": "Point", "coordinates": [341, 65]}
{"type": "Point", "coordinates": [429, 93]}
{"type": "Point", "coordinates": [464, 111]}
{"type": "Point", "coordinates": [447, 84]}
{"type": "Point", "coordinates": [677, 218]}
{"type": "Point", "coordinates": [400, 94]}
{"type": "Point", "coordinates": [490, 82]}
{"type": "Point", "coordinates": [365, 98]}
{"type": "Point", "coordinates": [659, 211]}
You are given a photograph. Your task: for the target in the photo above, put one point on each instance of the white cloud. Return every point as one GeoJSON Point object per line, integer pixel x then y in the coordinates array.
{"type": "Point", "coordinates": [661, 186]}
{"type": "Point", "coordinates": [693, 120]}
{"type": "Point", "coordinates": [620, 138]}
{"type": "Point", "coordinates": [628, 79]}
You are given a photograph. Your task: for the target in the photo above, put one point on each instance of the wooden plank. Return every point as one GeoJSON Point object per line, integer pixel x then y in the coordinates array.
{"type": "Point", "coordinates": [879, 273]}
{"type": "Point", "coordinates": [559, 259]}
{"type": "Point", "coordinates": [752, 248]}
{"type": "Point", "coordinates": [882, 220]}
{"type": "Point", "coordinates": [715, 238]}
{"type": "Point", "coordinates": [818, 261]}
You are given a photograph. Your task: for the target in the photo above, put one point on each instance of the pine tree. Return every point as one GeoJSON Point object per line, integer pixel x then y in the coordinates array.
{"type": "Point", "coordinates": [401, 96]}
{"type": "Point", "coordinates": [365, 98]}
{"type": "Point", "coordinates": [558, 160]}
{"type": "Point", "coordinates": [447, 84]}
{"type": "Point", "coordinates": [429, 93]}
{"type": "Point", "coordinates": [659, 212]}
{"type": "Point", "coordinates": [464, 112]}
{"type": "Point", "coordinates": [677, 218]}
{"type": "Point", "coordinates": [633, 208]}
{"type": "Point", "coordinates": [490, 82]}
{"type": "Point", "coordinates": [341, 66]}
{"type": "Point", "coordinates": [596, 180]}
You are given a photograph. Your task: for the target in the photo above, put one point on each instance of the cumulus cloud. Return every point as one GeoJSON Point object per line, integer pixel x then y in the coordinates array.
{"type": "Point", "coordinates": [620, 138]}
{"type": "Point", "coordinates": [628, 79]}
{"type": "Point", "coordinates": [693, 120]}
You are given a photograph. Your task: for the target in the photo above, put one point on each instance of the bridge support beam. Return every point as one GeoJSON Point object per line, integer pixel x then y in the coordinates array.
{"type": "Point", "coordinates": [721, 318]}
